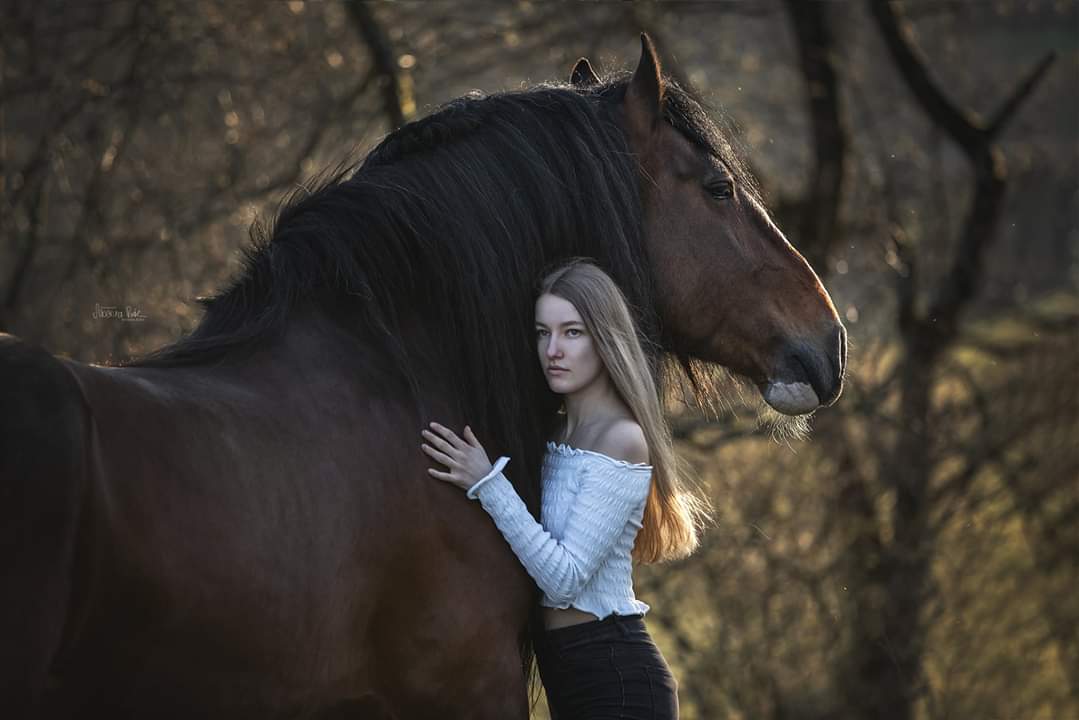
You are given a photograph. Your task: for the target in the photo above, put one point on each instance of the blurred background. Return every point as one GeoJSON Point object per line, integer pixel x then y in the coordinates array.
{"type": "Point", "coordinates": [916, 556]}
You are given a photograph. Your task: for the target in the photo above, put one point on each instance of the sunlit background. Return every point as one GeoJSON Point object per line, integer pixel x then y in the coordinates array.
{"type": "Point", "coordinates": [916, 557]}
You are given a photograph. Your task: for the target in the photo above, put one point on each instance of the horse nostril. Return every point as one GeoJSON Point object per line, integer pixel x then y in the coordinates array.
{"type": "Point", "coordinates": [822, 370]}
{"type": "Point", "coordinates": [820, 363]}
{"type": "Point", "coordinates": [803, 358]}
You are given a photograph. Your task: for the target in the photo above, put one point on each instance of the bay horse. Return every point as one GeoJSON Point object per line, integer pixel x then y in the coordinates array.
{"type": "Point", "coordinates": [241, 524]}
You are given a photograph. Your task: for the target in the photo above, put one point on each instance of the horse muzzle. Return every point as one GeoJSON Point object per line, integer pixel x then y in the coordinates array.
{"type": "Point", "coordinates": [806, 377]}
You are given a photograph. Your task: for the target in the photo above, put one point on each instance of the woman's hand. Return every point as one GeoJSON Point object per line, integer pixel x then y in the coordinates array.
{"type": "Point", "coordinates": [466, 459]}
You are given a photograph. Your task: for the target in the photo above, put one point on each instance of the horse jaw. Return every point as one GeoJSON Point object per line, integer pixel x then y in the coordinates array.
{"type": "Point", "coordinates": [794, 398]}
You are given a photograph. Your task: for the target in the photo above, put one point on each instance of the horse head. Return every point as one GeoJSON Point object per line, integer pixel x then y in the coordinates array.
{"type": "Point", "coordinates": [729, 288]}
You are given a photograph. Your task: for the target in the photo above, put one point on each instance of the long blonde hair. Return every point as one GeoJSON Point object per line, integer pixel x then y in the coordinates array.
{"type": "Point", "coordinates": [676, 510]}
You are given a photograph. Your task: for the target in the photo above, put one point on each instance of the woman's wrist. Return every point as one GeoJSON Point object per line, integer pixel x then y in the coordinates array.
{"type": "Point", "coordinates": [495, 470]}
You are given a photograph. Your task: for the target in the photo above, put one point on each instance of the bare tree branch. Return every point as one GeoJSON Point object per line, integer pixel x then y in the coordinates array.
{"type": "Point", "coordinates": [1001, 117]}
{"type": "Point", "coordinates": [818, 228]}
{"type": "Point", "coordinates": [960, 284]}
{"type": "Point", "coordinates": [898, 34]}
{"type": "Point", "coordinates": [382, 55]}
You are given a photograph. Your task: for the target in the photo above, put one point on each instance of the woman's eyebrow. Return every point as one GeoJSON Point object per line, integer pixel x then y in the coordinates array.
{"type": "Point", "coordinates": [569, 322]}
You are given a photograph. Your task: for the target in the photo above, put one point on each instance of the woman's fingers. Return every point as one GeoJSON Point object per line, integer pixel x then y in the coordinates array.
{"type": "Point", "coordinates": [470, 437]}
{"type": "Point", "coordinates": [437, 455]}
{"type": "Point", "coordinates": [440, 475]}
{"type": "Point", "coordinates": [449, 435]}
{"type": "Point", "coordinates": [443, 445]}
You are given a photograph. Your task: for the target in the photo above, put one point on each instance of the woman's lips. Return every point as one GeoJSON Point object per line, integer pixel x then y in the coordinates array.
{"type": "Point", "coordinates": [555, 371]}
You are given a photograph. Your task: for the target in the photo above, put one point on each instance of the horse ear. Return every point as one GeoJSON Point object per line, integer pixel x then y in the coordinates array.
{"type": "Point", "coordinates": [644, 94]}
{"type": "Point", "coordinates": [583, 75]}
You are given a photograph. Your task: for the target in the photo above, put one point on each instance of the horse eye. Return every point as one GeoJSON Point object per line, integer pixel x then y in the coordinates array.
{"type": "Point", "coordinates": [720, 189]}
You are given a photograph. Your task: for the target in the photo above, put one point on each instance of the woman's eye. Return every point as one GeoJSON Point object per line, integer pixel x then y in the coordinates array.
{"type": "Point", "coordinates": [573, 330]}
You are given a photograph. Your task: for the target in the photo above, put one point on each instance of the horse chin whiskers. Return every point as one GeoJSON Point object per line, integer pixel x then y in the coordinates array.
{"type": "Point", "coordinates": [717, 391]}
{"type": "Point", "coordinates": [783, 428]}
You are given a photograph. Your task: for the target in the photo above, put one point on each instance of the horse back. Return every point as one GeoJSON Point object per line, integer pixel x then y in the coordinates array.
{"type": "Point", "coordinates": [43, 439]}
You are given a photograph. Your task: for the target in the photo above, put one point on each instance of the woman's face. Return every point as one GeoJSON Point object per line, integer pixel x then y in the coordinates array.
{"type": "Point", "coordinates": [566, 350]}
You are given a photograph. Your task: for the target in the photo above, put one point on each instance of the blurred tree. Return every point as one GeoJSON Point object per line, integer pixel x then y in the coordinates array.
{"type": "Point", "coordinates": [890, 643]}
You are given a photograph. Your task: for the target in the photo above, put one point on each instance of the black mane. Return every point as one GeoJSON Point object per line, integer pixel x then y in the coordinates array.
{"type": "Point", "coordinates": [433, 246]}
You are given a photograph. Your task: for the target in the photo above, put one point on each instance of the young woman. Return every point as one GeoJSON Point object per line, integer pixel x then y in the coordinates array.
{"type": "Point", "coordinates": [611, 494]}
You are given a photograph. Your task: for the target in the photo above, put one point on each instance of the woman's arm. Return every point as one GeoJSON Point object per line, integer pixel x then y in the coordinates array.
{"type": "Point", "coordinates": [610, 495]}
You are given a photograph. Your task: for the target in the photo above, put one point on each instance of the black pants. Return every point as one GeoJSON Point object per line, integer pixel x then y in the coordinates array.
{"type": "Point", "coordinates": [606, 668]}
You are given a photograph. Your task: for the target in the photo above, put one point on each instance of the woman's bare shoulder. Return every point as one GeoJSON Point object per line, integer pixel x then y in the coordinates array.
{"type": "Point", "coordinates": [623, 440]}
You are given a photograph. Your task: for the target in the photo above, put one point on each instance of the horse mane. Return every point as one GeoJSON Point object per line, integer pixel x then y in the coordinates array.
{"type": "Point", "coordinates": [435, 243]}
{"type": "Point", "coordinates": [430, 252]}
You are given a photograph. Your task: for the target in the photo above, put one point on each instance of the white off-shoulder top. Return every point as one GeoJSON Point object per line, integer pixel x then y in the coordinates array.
{"type": "Point", "coordinates": [579, 552]}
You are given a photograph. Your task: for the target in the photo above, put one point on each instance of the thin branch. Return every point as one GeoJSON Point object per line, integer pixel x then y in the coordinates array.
{"type": "Point", "coordinates": [322, 125]}
{"type": "Point", "coordinates": [1004, 114]}
{"type": "Point", "coordinates": [382, 56]}
{"type": "Point", "coordinates": [818, 230]}
{"type": "Point", "coordinates": [898, 34]}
